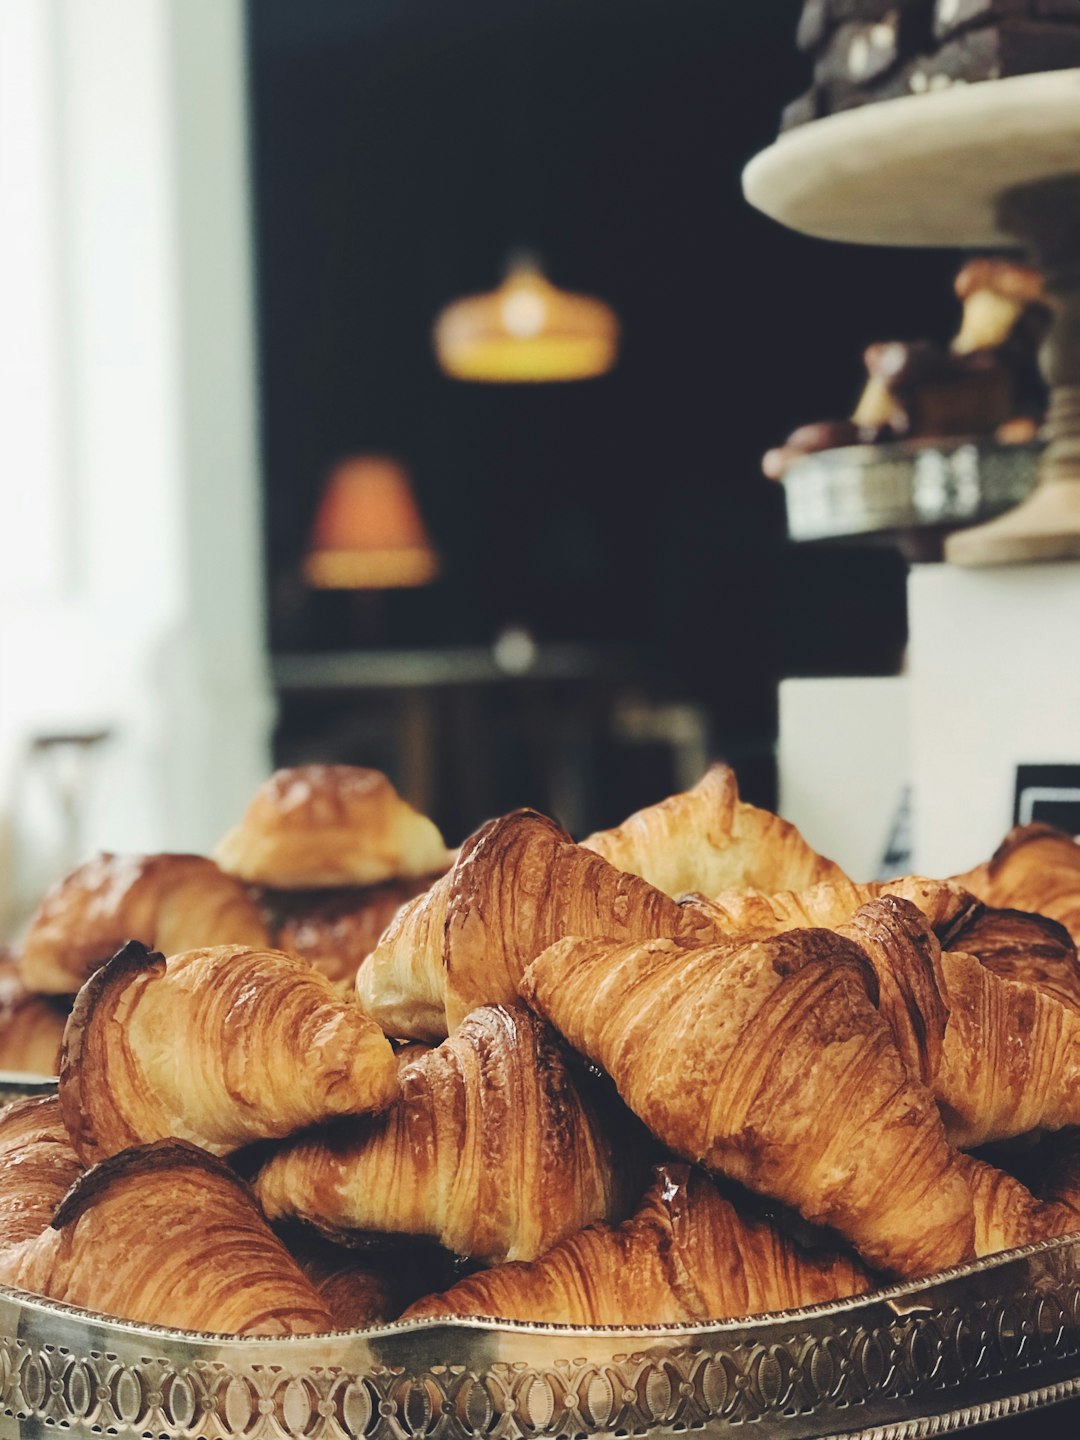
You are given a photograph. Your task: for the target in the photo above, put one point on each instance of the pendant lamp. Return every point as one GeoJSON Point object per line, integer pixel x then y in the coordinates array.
{"type": "Point", "coordinates": [526, 331]}
{"type": "Point", "coordinates": [368, 532]}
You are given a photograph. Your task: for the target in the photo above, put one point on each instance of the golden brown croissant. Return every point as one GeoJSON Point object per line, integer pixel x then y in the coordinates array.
{"type": "Point", "coordinates": [1011, 1059]}
{"type": "Point", "coordinates": [31, 1026]}
{"type": "Point", "coordinates": [168, 1235]}
{"type": "Point", "coordinates": [1000, 1057]}
{"type": "Point", "coordinates": [1036, 868]}
{"type": "Point", "coordinates": [769, 1063]}
{"type": "Point", "coordinates": [168, 902]}
{"type": "Point", "coordinates": [492, 1150]}
{"type": "Point", "coordinates": [709, 840]}
{"type": "Point", "coordinates": [37, 1168]}
{"type": "Point", "coordinates": [316, 826]}
{"type": "Point", "coordinates": [686, 1255]}
{"type": "Point", "coordinates": [337, 929]}
{"type": "Point", "coordinates": [220, 1046]}
{"type": "Point", "coordinates": [756, 913]}
{"type": "Point", "coordinates": [1007, 1215]}
{"type": "Point", "coordinates": [1032, 949]}
{"type": "Point", "coordinates": [518, 884]}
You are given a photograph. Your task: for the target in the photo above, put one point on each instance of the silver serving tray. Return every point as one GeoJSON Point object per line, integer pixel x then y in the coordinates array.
{"type": "Point", "coordinates": [905, 488]}
{"type": "Point", "coordinates": [990, 1339]}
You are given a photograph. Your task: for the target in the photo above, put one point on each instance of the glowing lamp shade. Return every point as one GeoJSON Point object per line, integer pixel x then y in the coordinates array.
{"type": "Point", "coordinates": [368, 533]}
{"type": "Point", "coordinates": [526, 331]}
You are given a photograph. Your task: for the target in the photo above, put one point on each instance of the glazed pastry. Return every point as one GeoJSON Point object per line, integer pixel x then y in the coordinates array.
{"type": "Point", "coordinates": [220, 1047]}
{"type": "Point", "coordinates": [37, 1168]}
{"type": "Point", "coordinates": [1011, 1061]}
{"type": "Point", "coordinates": [317, 826]}
{"type": "Point", "coordinates": [168, 902]}
{"type": "Point", "coordinates": [1007, 1215]}
{"type": "Point", "coordinates": [1037, 869]}
{"type": "Point", "coordinates": [749, 912]}
{"type": "Point", "coordinates": [1001, 1058]}
{"type": "Point", "coordinates": [518, 884]}
{"type": "Point", "coordinates": [768, 1062]}
{"type": "Point", "coordinates": [31, 1026]}
{"type": "Point", "coordinates": [167, 1235]}
{"type": "Point", "coordinates": [687, 1255]}
{"type": "Point", "coordinates": [1030, 949]}
{"type": "Point", "coordinates": [492, 1150]}
{"type": "Point", "coordinates": [336, 930]}
{"type": "Point", "coordinates": [709, 840]}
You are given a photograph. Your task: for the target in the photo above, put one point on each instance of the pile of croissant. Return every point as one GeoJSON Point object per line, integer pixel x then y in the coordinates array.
{"type": "Point", "coordinates": [686, 1070]}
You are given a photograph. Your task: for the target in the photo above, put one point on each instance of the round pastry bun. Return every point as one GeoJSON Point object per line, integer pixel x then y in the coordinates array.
{"type": "Point", "coordinates": [321, 826]}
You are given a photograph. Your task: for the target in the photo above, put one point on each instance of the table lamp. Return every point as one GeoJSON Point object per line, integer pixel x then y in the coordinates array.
{"type": "Point", "coordinates": [368, 532]}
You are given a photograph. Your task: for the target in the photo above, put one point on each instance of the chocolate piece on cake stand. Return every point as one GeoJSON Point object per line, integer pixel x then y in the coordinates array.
{"type": "Point", "coordinates": [975, 166]}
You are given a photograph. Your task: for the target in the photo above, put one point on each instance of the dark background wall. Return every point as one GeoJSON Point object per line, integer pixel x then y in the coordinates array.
{"type": "Point", "coordinates": [403, 148]}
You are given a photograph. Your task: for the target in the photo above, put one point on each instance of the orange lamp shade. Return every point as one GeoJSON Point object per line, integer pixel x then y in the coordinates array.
{"type": "Point", "coordinates": [526, 331]}
{"type": "Point", "coordinates": [368, 532]}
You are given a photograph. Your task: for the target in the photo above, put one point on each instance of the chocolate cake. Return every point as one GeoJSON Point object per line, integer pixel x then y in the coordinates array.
{"type": "Point", "coordinates": [870, 50]}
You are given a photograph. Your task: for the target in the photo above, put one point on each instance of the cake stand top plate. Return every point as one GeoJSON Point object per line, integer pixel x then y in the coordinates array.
{"type": "Point", "coordinates": [924, 169]}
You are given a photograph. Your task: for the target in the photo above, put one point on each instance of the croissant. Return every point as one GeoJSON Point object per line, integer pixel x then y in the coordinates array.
{"type": "Point", "coordinates": [749, 912]}
{"type": "Point", "coordinates": [168, 902]}
{"type": "Point", "coordinates": [167, 1235]}
{"type": "Point", "coordinates": [220, 1046]}
{"type": "Point", "coordinates": [325, 825]}
{"type": "Point", "coordinates": [492, 1150]}
{"type": "Point", "coordinates": [1000, 1057]}
{"type": "Point", "coordinates": [1036, 868]}
{"type": "Point", "coordinates": [31, 1026]}
{"type": "Point", "coordinates": [1007, 1215]}
{"type": "Point", "coordinates": [769, 1063]}
{"type": "Point", "coordinates": [687, 1255]}
{"type": "Point", "coordinates": [518, 884]}
{"type": "Point", "coordinates": [337, 929]}
{"type": "Point", "coordinates": [708, 839]}
{"type": "Point", "coordinates": [37, 1168]}
{"type": "Point", "coordinates": [1031, 949]}
{"type": "Point", "coordinates": [1011, 1058]}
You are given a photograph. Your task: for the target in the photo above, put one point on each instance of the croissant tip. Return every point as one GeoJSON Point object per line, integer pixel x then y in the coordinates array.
{"type": "Point", "coordinates": [169, 1154]}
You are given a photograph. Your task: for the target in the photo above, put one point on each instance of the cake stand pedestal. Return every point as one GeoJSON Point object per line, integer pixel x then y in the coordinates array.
{"type": "Point", "coordinates": [988, 165]}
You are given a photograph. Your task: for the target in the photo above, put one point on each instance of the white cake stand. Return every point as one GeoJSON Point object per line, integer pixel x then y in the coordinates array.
{"type": "Point", "coordinates": [993, 164]}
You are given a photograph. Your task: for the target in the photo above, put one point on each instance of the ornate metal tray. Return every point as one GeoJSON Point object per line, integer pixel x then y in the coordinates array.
{"type": "Point", "coordinates": [905, 491]}
{"type": "Point", "coordinates": [994, 1338]}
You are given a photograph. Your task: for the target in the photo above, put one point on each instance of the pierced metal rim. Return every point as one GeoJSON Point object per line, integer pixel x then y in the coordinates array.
{"type": "Point", "coordinates": [901, 1297]}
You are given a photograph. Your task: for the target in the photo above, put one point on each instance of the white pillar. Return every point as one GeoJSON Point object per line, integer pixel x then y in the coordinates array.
{"type": "Point", "coordinates": [155, 627]}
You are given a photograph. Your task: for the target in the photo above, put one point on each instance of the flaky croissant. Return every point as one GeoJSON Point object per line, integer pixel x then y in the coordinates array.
{"type": "Point", "coordinates": [220, 1047]}
{"type": "Point", "coordinates": [709, 840]}
{"type": "Point", "coordinates": [492, 1149]}
{"type": "Point", "coordinates": [769, 1063]}
{"type": "Point", "coordinates": [37, 1168]}
{"type": "Point", "coordinates": [1031, 949]}
{"type": "Point", "coordinates": [336, 930]}
{"type": "Point", "coordinates": [167, 1235]}
{"type": "Point", "coordinates": [687, 1255]}
{"type": "Point", "coordinates": [168, 902]}
{"type": "Point", "coordinates": [316, 826]}
{"type": "Point", "coordinates": [1000, 1057]}
{"type": "Point", "coordinates": [749, 913]}
{"type": "Point", "coordinates": [518, 884]}
{"type": "Point", "coordinates": [1007, 1215]}
{"type": "Point", "coordinates": [31, 1026]}
{"type": "Point", "coordinates": [1037, 869]}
